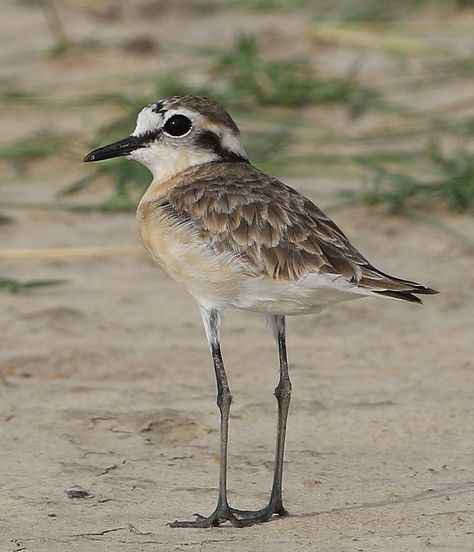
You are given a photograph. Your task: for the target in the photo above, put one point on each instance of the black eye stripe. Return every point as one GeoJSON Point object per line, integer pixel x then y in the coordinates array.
{"type": "Point", "coordinates": [211, 142]}
{"type": "Point", "coordinates": [147, 137]}
{"type": "Point", "coordinates": [177, 125]}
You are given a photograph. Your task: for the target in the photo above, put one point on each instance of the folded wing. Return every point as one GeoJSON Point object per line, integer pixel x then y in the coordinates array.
{"type": "Point", "coordinates": [273, 230]}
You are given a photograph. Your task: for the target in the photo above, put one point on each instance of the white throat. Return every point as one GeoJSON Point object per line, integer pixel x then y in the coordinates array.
{"type": "Point", "coordinates": [164, 162]}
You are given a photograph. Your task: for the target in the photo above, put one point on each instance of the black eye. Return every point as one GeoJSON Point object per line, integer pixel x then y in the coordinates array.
{"type": "Point", "coordinates": [177, 125]}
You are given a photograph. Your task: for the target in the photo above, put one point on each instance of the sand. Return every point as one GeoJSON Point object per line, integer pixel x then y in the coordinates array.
{"type": "Point", "coordinates": [106, 385]}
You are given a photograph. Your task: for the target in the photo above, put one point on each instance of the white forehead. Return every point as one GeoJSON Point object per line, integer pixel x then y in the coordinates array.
{"type": "Point", "coordinates": [149, 120]}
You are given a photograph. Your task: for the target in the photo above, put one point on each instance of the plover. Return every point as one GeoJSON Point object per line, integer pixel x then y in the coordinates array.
{"type": "Point", "coordinates": [234, 236]}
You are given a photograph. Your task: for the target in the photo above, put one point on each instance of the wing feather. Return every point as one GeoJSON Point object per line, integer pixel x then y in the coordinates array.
{"type": "Point", "coordinates": [273, 230]}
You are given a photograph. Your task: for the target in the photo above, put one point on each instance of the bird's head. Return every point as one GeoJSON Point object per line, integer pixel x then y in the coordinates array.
{"type": "Point", "coordinates": [175, 134]}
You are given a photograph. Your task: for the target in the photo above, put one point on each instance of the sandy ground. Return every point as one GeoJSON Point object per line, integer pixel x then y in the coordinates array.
{"type": "Point", "coordinates": [106, 383]}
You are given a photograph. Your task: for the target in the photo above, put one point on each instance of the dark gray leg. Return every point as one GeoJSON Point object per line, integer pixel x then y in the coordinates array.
{"type": "Point", "coordinates": [223, 512]}
{"type": "Point", "coordinates": [283, 396]}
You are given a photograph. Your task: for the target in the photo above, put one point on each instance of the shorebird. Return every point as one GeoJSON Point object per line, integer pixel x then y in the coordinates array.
{"type": "Point", "coordinates": [234, 236]}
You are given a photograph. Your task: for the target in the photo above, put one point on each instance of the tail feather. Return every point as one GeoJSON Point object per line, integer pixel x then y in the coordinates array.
{"type": "Point", "coordinates": [405, 295]}
{"type": "Point", "coordinates": [380, 283]}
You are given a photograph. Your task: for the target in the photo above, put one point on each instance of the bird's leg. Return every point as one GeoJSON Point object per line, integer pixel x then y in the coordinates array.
{"type": "Point", "coordinates": [222, 512]}
{"type": "Point", "coordinates": [283, 396]}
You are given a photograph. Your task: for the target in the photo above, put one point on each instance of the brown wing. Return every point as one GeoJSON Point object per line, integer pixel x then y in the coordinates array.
{"type": "Point", "coordinates": [274, 230]}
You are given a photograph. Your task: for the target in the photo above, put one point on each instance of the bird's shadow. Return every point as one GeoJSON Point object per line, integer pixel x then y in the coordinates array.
{"type": "Point", "coordinates": [429, 494]}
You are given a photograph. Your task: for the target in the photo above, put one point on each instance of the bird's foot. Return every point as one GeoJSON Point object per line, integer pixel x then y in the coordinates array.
{"type": "Point", "coordinates": [251, 517]}
{"type": "Point", "coordinates": [238, 518]}
{"type": "Point", "coordinates": [220, 515]}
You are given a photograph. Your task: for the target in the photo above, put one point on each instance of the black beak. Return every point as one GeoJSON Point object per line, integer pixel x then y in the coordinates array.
{"type": "Point", "coordinates": [117, 149]}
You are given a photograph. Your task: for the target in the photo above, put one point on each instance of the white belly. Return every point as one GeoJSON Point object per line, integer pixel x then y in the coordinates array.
{"type": "Point", "coordinates": [221, 280]}
{"type": "Point", "coordinates": [308, 295]}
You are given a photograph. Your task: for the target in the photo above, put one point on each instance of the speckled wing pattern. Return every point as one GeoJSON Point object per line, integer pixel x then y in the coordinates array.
{"type": "Point", "coordinates": [272, 229]}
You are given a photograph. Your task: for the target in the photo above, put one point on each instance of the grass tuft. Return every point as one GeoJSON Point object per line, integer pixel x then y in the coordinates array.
{"type": "Point", "coordinates": [14, 286]}
{"type": "Point", "coordinates": [450, 181]}
{"type": "Point", "coordinates": [37, 145]}
{"type": "Point", "coordinates": [251, 80]}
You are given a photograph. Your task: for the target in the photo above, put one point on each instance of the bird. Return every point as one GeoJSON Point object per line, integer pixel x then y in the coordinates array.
{"type": "Point", "coordinates": [236, 237]}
